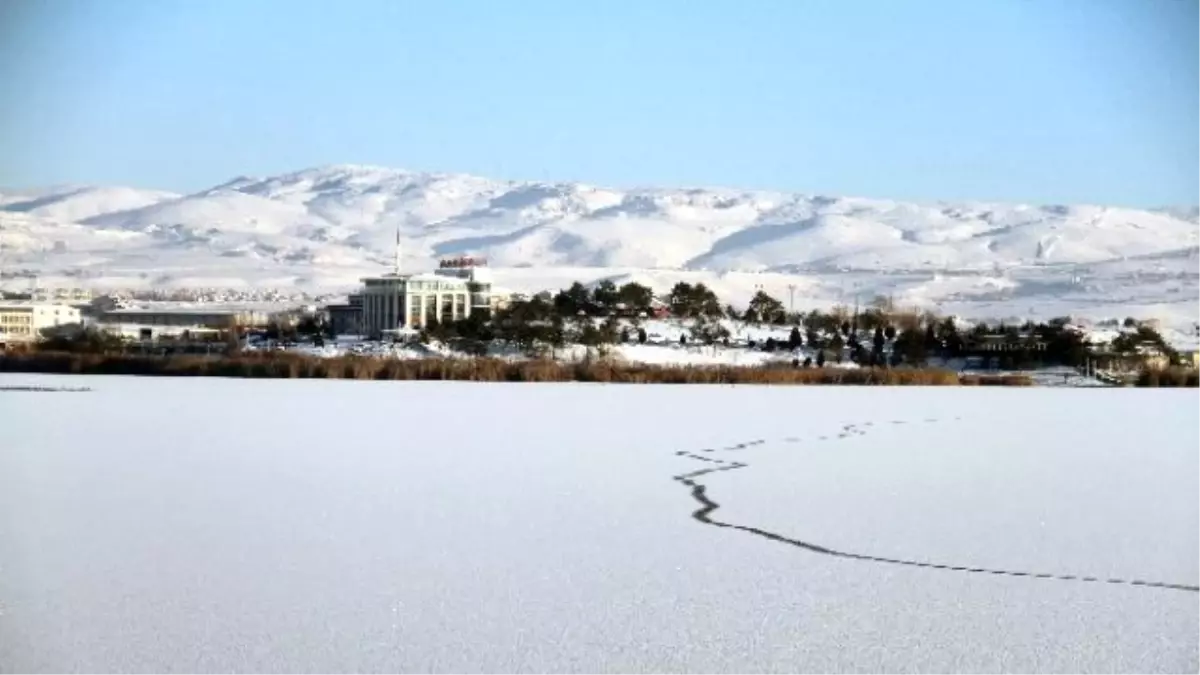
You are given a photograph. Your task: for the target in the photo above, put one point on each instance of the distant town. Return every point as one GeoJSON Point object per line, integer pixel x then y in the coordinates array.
{"type": "Point", "coordinates": [457, 311]}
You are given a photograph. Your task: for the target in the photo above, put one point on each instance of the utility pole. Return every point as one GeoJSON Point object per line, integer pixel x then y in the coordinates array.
{"type": "Point", "coordinates": [396, 263]}
{"type": "Point", "coordinates": [791, 298]}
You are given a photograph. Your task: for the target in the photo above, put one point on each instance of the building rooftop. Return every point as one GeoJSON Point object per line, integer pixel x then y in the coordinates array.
{"type": "Point", "coordinates": [32, 304]}
{"type": "Point", "coordinates": [169, 307]}
{"type": "Point", "coordinates": [415, 276]}
{"type": "Point", "coordinates": [175, 310]}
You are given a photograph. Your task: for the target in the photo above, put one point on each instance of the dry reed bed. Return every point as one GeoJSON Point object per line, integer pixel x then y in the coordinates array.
{"type": "Point", "coordinates": [479, 370]}
{"type": "Point", "coordinates": [1169, 377]}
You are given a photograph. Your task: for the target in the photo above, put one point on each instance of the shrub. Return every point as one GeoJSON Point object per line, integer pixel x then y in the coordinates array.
{"type": "Point", "coordinates": [1169, 377]}
{"type": "Point", "coordinates": [275, 365]}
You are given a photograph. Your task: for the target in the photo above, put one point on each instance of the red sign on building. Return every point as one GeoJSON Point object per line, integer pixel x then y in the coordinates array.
{"type": "Point", "coordinates": [462, 262]}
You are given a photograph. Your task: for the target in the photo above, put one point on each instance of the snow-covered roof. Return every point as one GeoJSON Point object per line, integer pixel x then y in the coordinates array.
{"type": "Point", "coordinates": [132, 311]}
{"type": "Point", "coordinates": [11, 305]}
{"type": "Point", "coordinates": [417, 276]}
{"type": "Point", "coordinates": [133, 325]}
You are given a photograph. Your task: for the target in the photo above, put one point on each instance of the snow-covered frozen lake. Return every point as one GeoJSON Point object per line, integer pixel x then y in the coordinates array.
{"type": "Point", "coordinates": [301, 525]}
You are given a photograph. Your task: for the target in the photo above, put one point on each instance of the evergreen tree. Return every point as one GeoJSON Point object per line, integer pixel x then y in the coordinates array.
{"type": "Point", "coordinates": [687, 301]}
{"type": "Point", "coordinates": [794, 339]}
{"type": "Point", "coordinates": [611, 331]}
{"type": "Point", "coordinates": [811, 337]}
{"type": "Point", "coordinates": [911, 346]}
{"type": "Point", "coordinates": [950, 337]}
{"type": "Point", "coordinates": [706, 302]}
{"type": "Point", "coordinates": [680, 299]}
{"type": "Point", "coordinates": [309, 325]}
{"type": "Point", "coordinates": [836, 343]}
{"type": "Point", "coordinates": [573, 300]}
{"type": "Point", "coordinates": [605, 296]}
{"type": "Point", "coordinates": [879, 340]}
{"type": "Point", "coordinates": [586, 334]}
{"type": "Point", "coordinates": [635, 297]}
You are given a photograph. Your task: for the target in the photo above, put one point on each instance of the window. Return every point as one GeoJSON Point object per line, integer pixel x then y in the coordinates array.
{"type": "Point", "coordinates": [414, 309]}
{"type": "Point", "coordinates": [431, 308]}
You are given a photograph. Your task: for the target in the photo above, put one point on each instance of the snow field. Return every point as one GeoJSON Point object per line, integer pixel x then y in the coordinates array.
{"type": "Point", "coordinates": [236, 525]}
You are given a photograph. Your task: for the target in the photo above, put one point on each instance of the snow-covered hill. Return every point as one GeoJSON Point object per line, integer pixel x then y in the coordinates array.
{"type": "Point", "coordinates": [325, 227]}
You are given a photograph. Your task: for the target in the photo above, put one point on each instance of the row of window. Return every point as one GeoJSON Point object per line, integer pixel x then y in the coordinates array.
{"type": "Point", "coordinates": [384, 311]}
{"type": "Point", "coordinates": [16, 319]}
{"type": "Point", "coordinates": [408, 285]}
{"type": "Point", "coordinates": [435, 286]}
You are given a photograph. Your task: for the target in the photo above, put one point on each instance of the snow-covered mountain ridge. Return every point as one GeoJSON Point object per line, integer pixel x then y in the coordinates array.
{"type": "Point", "coordinates": [325, 227]}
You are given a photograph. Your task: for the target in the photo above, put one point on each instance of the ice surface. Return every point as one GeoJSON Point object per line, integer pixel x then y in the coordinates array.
{"type": "Point", "coordinates": [234, 525]}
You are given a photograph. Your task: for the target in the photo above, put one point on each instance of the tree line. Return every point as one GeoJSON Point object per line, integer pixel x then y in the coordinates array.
{"type": "Point", "coordinates": [879, 334]}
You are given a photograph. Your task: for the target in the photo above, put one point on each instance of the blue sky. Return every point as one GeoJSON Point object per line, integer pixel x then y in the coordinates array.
{"type": "Point", "coordinates": [1047, 101]}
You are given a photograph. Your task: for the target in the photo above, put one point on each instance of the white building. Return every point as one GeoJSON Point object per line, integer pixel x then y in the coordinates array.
{"type": "Point", "coordinates": [22, 321]}
{"type": "Point", "coordinates": [72, 296]}
{"type": "Point", "coordinates": [134, 331]}
{"type": "Point", "coordinates": [185, 316]}
{"type": "Point", "coordinates": [408, 302]}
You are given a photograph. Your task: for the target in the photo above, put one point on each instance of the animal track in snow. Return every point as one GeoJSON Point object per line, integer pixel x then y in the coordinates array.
{"type": "Point", "coordinates": [708, 506]}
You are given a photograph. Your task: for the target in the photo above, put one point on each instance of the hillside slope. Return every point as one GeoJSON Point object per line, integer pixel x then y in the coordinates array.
{"type": "Point", "coordinates": [325, 227]}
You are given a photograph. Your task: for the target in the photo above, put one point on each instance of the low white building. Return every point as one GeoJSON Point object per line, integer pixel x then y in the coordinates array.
{"type": "Point", "coordinates": [66, 296]}
{"type": "Point", "coordinates": [22, 321]}
{"type": "Point", "coordinates": [185, 316]}
{"type": "Point", "coordinates": [145, 332]}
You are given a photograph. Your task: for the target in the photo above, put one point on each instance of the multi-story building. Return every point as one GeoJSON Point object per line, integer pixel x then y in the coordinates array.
{"type": "Point", "coordinates": [22, 321]}
{"type": "Point", "coordinates": [408, 302]}
{"type": "Point", "coordinates": [346, 318]}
